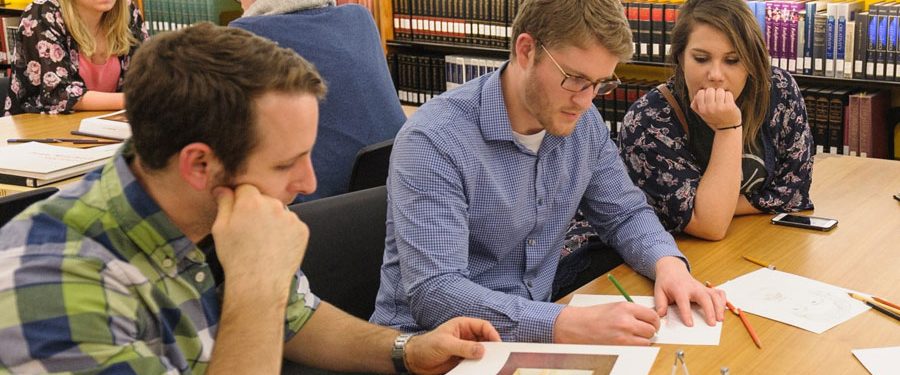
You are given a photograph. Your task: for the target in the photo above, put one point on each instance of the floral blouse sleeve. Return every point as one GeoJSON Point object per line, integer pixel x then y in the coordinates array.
{"type": "Point", "coordinates": [788, 190]}
{"type": "Point", "coordinates": [45, 75]}
{"type": "Point", "coordinates": [656, 155]}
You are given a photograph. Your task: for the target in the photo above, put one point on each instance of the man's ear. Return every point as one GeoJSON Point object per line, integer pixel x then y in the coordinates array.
{"type": "Point", "coordinates": [198, 165]}
{"type": "Point", "coordinates": [526, 48]}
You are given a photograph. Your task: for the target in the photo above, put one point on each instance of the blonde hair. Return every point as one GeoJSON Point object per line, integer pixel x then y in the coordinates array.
{"type": "Point", "coordinates": [115, 22]}
{"type": "Point", "coordinates": [574, 23]}
{"type": "Point", "coordinates": [734, 19]}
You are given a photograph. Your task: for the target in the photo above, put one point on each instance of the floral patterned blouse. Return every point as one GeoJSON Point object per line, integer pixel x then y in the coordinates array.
{"type": "Point", "coordinates": [657, 155]}
{"type": "Point", "coordinates": [45, 75]}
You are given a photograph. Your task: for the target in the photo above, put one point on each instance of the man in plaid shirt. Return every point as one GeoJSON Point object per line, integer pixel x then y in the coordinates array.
{"type": "Point", "coordinates": [111, 274]}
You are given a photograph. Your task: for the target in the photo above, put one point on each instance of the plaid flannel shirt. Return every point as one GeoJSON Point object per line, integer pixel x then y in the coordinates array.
{"type": "Point", "coordinates": [98, 279]}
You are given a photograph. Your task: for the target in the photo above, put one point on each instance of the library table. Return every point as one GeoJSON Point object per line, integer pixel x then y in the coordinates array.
{"type": "Point", "coordinates": [32, 125]}
{"type": "Point", "coordinates": [861, 253]}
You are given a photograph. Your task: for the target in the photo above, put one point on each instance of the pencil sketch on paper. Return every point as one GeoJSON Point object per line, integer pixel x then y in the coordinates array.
{"type": "Point", "coordinates": [808, 304]}
{"type": "Point", "coordinates": [799, 301]}
{"type": "Point", "coordinates": [522, 363]}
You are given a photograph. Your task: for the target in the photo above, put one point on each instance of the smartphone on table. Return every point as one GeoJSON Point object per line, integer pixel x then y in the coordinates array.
{"type": "Point", "coordinates": [808, 222]}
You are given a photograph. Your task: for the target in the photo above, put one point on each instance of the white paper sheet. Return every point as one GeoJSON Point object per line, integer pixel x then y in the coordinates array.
{"type": "Point", "coordinates": [880, 361]}
{"type": "Point", "coordinates": [791, 299]}
{"type": "Point", "coordinates": [628, 360]}
{"type": "Point", "coordinates": [671, 329]}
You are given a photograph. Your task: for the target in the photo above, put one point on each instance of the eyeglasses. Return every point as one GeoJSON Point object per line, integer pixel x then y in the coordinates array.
{"type": "Point", "coordinates": [572, 83]}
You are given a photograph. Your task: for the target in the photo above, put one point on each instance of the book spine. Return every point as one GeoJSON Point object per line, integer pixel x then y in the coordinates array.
{"type": "Point", "coordinates": [859, 45]}
{"type": "Point", "coordinates": [669, 12]}
{"type": "Point", "coordinates": [657, 24]}
{"type": "Point", "coordinates": [881, 63]}
{"type": "Point", "coordinates": [820, 133]}
{"type": "Point", "coordinates": [840, 46]}
{"type": "Point", "coordinates": [850, 50]}
{"type": "Point", "coordinates": [819, 42]}
{"type": "Point", "coordinates": [644, 33]}
{"type": "Point", "coordinates": [852, 130]}
{"type": "Point", "coordinates": [836, 121]}
{"type": "Point", "coordinates": [632, 14]}
{"type": "Point", "coordinates": [9, 179]}
{"type": "Point", "coordinates": [809, 28]}
{"type": "Point", "coordinates": [829, 46]}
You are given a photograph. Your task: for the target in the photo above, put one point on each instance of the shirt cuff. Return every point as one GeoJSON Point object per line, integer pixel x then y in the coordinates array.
{"type": "Point", "coordinates": [657, 252]}
{"type": "Point", "coordinates": [537, 322]}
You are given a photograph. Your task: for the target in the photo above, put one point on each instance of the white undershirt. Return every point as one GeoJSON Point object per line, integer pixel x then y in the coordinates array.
{"type": "Point", "coordinates": [531, 142]}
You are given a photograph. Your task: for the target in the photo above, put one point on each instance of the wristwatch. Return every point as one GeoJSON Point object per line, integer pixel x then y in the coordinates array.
{"type": "Point", "coordinates": [398, 352]}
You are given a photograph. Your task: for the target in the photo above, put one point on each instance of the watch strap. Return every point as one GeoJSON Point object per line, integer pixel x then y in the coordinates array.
{"type": "Point", "coordinates": [398, 353]}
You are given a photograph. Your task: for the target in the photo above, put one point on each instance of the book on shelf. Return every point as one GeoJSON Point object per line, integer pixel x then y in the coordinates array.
{"type": "Point", "coordinates": [874, 132]}
{"type": "Point", "coordinates": [111, 125]}
{"type": "Point", "coordinates": [35, 164]}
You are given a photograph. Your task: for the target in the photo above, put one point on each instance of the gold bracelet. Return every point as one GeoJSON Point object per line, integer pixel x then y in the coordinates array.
{"type": "Point", "coordinates": [730, 127]}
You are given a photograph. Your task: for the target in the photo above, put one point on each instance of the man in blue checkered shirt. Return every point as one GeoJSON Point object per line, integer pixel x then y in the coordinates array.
{"type": "Point", "coordinates": [484, 179]}
{"type": "Point", "coordinates": [113, 275]}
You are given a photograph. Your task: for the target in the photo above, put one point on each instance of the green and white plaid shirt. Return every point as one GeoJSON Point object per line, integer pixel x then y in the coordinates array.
{"type": "Point", "coordinates": [98, 279]}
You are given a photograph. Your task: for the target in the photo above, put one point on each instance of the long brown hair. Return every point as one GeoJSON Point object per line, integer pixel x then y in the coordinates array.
{"type": "Point", "coordinates": [734, 19]}
{"type": "Point", "coordinates": [115, 23]}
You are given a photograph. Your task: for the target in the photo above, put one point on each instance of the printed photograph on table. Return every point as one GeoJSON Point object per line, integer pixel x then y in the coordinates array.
{"type": "Point", "coordinates": [558, 364]}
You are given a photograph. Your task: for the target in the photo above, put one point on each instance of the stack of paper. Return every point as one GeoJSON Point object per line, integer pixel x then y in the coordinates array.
{"type": "Point", "coordinates": [35, 164]}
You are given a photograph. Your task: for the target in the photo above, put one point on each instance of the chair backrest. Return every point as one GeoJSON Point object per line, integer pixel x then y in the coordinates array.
{"type": "Point", "coordinates": [12, 205]}
{"type": "Point", "coordinates": [346, 247]}
{"type": "Point", "coordinates": [370, 169]}
{"type": "Point", "coordinates": [4, 89]}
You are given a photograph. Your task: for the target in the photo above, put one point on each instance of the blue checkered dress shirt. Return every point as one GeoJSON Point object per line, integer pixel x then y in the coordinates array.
{"type": "Point", "coordinates": [476, 221]}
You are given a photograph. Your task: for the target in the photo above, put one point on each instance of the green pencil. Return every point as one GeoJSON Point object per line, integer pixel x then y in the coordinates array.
{"type": "Point", "coordinates": [619, 287]}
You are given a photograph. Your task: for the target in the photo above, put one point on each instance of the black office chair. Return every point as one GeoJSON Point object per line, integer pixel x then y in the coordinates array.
{"type": "Point", "coordinates": [4, 90]}
{"type": "Point", "coordinates": [370, 169]}
{"type": "Point", "coordinates": [12, 205]}
{"type": "Point", "coordinates": [346, 246]}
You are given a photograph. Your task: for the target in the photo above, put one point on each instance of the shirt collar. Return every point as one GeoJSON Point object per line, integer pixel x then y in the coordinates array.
{"type": "Point", "coordinates": [139, 216]}
{"type": "Point", "coordinates": [494, 119]}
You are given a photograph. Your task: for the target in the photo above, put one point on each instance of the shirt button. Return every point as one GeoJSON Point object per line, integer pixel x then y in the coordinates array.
{"type": "Point", "coordinates": [199, 277]}
{"type": "Point", "coordinates": [528, 282]}
{"type": "Point", "coordinates": [540, 201]}
{"type": "Point", "coordinates": [167, 263]}
{"type": "Point", "coordinates": [530, 242]}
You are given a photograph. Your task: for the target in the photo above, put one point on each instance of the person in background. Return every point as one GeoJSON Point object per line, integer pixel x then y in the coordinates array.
{"type": "Point", "coordinates": [485, 178]}
{"type": "Point", "coordinates": [362, 107]}
{"type": "Point", "coordinates": [72, 55]}
{"type": "Point", "coordinates": [113, 274]}
{"type": "Point", "coordinates": [734, 138]}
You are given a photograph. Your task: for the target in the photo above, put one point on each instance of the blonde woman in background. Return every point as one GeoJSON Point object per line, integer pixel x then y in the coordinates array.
{"type": "Point", "coordinates": [72, 55]}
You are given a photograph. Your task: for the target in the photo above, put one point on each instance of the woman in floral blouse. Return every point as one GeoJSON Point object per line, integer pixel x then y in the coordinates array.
{"type": "Point", "coordinates": [743, 145]}
{"type": "Point", "coordinates": [72, 55]}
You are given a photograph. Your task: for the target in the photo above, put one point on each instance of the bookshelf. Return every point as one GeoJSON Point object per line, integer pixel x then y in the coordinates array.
{"type": "Point", "coordinates": [427, 29]}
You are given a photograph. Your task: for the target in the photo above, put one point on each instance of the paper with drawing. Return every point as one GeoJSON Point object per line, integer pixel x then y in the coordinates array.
{"type": "Point", "coordinates": [801, 302]}
{"type": "Point", "coordinates": [671, 328]}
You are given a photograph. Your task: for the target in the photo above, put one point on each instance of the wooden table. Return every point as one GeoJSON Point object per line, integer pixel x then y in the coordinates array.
{"type": "Point", "coordinates": [862, 253]}
{"type": "Point", "coordinates": [41, 126]}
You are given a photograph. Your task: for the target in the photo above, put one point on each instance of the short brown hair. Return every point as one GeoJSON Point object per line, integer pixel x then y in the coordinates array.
{"type": "Point", "coordinates": [200, 84]}
{"type": "Point", "coordinates": [734, 19]}
{"type": "Point", "coordinates": [574, 22]}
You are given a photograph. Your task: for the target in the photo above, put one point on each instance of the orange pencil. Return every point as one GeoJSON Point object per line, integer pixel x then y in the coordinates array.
{"type": "Point", "coordinates": [740, 314]}
{"type": "Point", "coordinates": [884, 301]}
{"type": "Point", "coordinates": [747, 325]}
